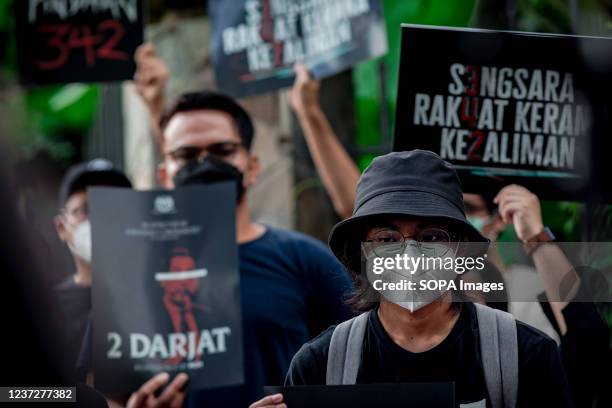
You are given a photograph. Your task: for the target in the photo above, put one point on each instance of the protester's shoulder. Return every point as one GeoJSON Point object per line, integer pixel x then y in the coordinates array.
{"type": "Point", "coordinates": [540, 369]}
{"type": "Point", "coordinates": [309, 364]}
{"type": "Point", "coordinates": [532, 341]}
{"type": "Point", "coordinates": [314, 351]}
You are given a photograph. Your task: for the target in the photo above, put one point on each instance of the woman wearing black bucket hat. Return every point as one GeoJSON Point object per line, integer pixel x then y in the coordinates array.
{"type": "Point", "coordinates": [411, 203]}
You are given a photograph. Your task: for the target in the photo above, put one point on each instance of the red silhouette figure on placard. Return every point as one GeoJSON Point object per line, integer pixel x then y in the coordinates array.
{"type": "Point", "coordinates": [178, 294]}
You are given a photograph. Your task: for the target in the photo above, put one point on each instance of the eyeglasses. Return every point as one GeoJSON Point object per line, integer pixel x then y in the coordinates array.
{"type": "Point", "coordinates": [430, 241]}
{"type": "Point", "coordinates": [223, 151]}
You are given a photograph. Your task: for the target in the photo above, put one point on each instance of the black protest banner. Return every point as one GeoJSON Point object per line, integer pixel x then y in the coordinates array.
{"type": "Point", "coordinates": [166, 286]}
{"type": "Point", "coordinates": [257, 42]}
{"type": "Point", "coordinates": [509, 107]}
{"type": "Point", "coordinates": [61, 41]}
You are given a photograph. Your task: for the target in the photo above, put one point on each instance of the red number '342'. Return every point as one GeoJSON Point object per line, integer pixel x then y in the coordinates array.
{"type": "Point", "coordinates": [96, 44]}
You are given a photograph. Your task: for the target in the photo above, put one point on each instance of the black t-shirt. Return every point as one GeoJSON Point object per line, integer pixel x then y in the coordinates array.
{"type": "Point", "coordinates": [586, 355]}
{"type": "Point", "coordinates": [585, 350]}
{"type": "Point", "coordinates": [75, 304]}
{"type": "Point", "coordinates": [456, 359]}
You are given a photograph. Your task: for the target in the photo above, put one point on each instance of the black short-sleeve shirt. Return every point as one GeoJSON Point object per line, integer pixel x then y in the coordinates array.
{"type": "Point", "coordinates": [456, 359]}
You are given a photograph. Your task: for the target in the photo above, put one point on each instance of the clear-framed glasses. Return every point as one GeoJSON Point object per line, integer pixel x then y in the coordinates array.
{"type": "Point", "coordinates": [432, 242]}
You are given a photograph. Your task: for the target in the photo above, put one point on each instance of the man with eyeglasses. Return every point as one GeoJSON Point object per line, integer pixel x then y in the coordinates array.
{"type": "Point", "coordinates": [73, 229]}
{"type": "Point", "coordinates": [292, 286]}
{"type": "Point", "coordinates": [411, 203]}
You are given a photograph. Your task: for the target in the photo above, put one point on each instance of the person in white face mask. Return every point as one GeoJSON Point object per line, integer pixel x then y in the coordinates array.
{"type": "Point", "coordinates": [405, 283]}
{"type": "Point", "coordinates": [409, 207]}
{"type": "Point", "coordinates": [73, 229]}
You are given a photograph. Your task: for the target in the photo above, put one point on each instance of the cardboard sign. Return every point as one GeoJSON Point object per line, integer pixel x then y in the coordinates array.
{"type": "Point", "coordinates": [421, 395]}
{"type": "Point", "coordinates": [509, 107]}
{"type": "Point", "coordinates": [257, 42]}
{"type": "Point", "coordinates": [61, 41]}
{"type": "Point", "coordinates": [166, 286]}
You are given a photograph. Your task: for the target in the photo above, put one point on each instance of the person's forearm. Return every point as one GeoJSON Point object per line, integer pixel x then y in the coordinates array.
{"type": "Point", "coordinates": [155, 115]}
{"type": "Point", "coordinates": [561, 282]}
{"type": "Point", "coordinates": [338, 171]}
{"type": "Point", "coordinates": [156, 130]}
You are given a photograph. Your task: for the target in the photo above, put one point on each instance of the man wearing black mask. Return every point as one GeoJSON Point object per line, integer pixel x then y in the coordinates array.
{"type": "Point", "coordinates": [291, 285]}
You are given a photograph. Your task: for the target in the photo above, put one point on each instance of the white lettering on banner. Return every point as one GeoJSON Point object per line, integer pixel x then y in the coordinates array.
{"type": "Point", "coordinates": [444, 111]}
{"type": "Point", "coordinates": [324, 25]}
{"type": "Point", "coordinates": [508, 83]}
{"type": "Point", "coordinates": [239, 38]}
{"type": "Point", "coordinates": [65, 9]}
{"type": "Point", "coordinates": [563, 120]}
{"type": "Point", "coordinates": [456, 87]}
{"type": "Point", "coordinates": [532, 117]}
{"type": "Point", "coordinates": [260, 57]}
{"type": "Point", "coordinates": [492, 117]}
{"type": "Point", "coordinates": [187, 345]}
{"type": "Point", "coordinates": [475, 117]}
{"type": "Point", "coordinates": [338, 8]}
{"type": "Point", "coordinates": [453, 144]}
{"type": "Point", "coordinates": [517, 148]}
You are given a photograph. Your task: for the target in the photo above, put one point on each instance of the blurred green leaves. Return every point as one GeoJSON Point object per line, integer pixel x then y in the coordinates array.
{"type": "Point", "coordinates": [45, 118]}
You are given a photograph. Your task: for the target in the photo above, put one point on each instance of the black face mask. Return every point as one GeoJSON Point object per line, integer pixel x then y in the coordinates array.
{"type": "Point", "coordinates": [209, 170]}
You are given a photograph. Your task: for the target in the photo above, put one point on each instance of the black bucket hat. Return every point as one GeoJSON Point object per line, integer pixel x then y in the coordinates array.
{"type": "Point", "coordinates": [416, 183]}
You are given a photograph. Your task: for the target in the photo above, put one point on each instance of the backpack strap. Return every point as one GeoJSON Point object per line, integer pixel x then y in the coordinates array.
{"type": "Point", "coordinates": [344, 356]}
{"type": "Point", "coordinates": [499, 352]}
{"type": "Point", "coordinates": [498, 347]}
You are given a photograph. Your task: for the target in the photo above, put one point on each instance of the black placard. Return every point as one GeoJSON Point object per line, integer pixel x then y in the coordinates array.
{"type": "Point", "coordinates": [509, 107]}
{"type": "Point", "coordinates": [257, 42]}
{"type": "Point", "coordinates": [61, 41]}
{"type": "Point", "coordinates": [165, 286]}
{"type": "Point", "coordinates": [401, 395]}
